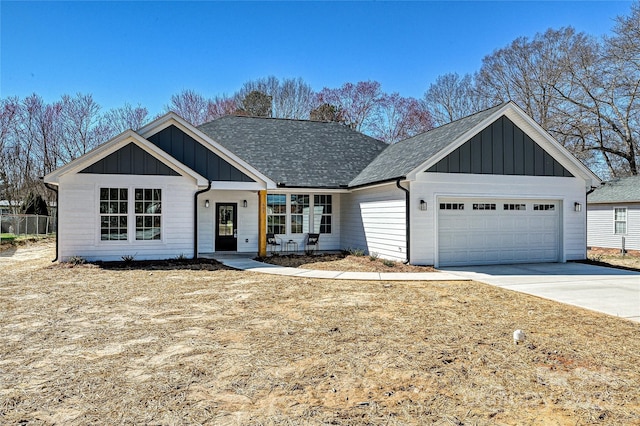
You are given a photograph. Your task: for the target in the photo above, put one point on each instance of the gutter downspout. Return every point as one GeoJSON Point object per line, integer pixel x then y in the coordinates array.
{"type": "Point", "coordinates": [54, 189]}
{"type": "Point", "coordinates": [195, 219]}
{"type": "Point", "coordinates": [407, 219]}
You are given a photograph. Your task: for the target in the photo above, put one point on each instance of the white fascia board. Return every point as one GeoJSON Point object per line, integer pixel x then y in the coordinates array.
{"type": "Point", "coordinates": [540, 136]}
{"type": "Point", "coordinates": [303, 190]}
{"type": "Point", "coordinates": [172, 118]}
{"type": "Point", "coordinates": [115, 144]}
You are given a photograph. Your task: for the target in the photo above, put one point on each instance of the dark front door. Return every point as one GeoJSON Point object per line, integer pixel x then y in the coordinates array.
{"type": "Point", "coordinates": [226, 227]}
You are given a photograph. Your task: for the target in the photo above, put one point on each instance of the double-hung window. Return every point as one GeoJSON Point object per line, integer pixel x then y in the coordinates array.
{"type": "Point", "coordinates": [113, 213]}
{"type": "Point", "coordinates": [620, 220]}
{"type": "Point", "coordinates": [276, 213]}
{"type": "Point", "coordinates": [322, 211]}
{"type": "Point", "coordinates": [118, 212]}
{"type": "Point", "coordinates": [299, 213]}
{"type": "Point", "coordinates": [148, 211]}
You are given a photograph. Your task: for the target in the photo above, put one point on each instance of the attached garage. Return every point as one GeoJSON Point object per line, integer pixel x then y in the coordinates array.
{"type": "Point", "coordinates": [480, 231]}
{"type": "Point", "coordinates": [490, 188]}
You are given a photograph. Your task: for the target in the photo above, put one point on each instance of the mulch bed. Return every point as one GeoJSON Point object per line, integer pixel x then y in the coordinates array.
{"type": "Point", "coordinates": [342, 262]}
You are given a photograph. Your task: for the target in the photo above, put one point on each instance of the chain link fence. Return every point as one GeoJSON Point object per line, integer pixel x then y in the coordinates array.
{"type": "Point", "coordinates": [27, 224]}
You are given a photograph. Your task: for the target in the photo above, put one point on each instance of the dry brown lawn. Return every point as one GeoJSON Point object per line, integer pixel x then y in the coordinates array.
{"type": "Point", "coordinates": [89, 345]}
{"type": "Point", "coordinates": [613, 257]}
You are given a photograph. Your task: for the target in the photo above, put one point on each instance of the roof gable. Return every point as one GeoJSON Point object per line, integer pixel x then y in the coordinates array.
{"type": "Point", "coordinates": [130, 160]}
{"type": "Point", "coordinates": [196, 156]}
{"type": "Point", "coordinates": [405, 159]}
{"type": "Point", "coordinates": [502, 148]}
{"type": "Point", "coordinates": [297, 153]}
{"type": "Point", "coordinates": [124, 139]}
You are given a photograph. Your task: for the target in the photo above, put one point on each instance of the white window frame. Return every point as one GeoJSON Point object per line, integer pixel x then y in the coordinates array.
{"type": "Point", "coordinates": [131, 214]}
{"type": "Point", "coordinates": [620, 220]}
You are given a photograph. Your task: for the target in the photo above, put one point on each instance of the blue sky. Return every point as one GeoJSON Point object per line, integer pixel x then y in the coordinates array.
{"type": "Point", "coordinates": [145, 51]}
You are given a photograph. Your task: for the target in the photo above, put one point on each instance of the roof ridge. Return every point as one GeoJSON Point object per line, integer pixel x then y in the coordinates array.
{"type": "Point", "coordinates": [304, 120]}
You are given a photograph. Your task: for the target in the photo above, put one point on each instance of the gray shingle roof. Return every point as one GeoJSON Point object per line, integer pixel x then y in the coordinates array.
{"type": "Point", "coordinates": [617, 191]}
{"type": "Point", "coordinates": [403, 157]}
{"type": "Point", "coordinates": [297, 152]}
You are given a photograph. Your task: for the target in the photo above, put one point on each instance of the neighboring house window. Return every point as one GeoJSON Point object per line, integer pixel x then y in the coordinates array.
{"type": "Point", "coordinates": [620, 220]}
{"type": "Point", "coordinates": [322, 211]}
{"type": "Point", "coordinates": [113, 213]}
{"type": "Point", "coordinates": [276, 213]}
{"type": "Point", "coordinates": [299, 214]}
{"type": "Point", "coordinates": [148, 212]}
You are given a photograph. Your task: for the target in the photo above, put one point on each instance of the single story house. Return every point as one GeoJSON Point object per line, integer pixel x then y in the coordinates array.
{"type": "Point", "coordinates": [493, 187]}
{"type": "Point", "coordinates": [613, 215]}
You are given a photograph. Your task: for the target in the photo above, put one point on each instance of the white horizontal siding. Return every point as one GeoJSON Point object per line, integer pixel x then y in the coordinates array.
{"type": "Point", "coordinates": [248, 221]}
{"type": "Point", "coordinates": [600, 227]}
{"type": "Point", "coordinates": [79, 218]}
{"type": "Point", "coordinates": [433, 186]}
{"type": "Point", "coordinates": [373, 220]}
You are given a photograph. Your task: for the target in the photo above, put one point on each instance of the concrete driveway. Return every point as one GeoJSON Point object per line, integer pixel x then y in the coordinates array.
{"type": "Point", "coordinates": [612, 291]}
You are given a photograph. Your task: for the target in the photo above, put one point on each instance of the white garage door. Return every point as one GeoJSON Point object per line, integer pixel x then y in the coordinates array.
{"type": "Point", "coordinates": [493, 231]}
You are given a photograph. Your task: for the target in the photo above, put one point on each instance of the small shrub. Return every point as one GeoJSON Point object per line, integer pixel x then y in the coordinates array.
{"type": "Point", "coordinates": [596, 257]}
{"type": "Point", "coordinates": [76, 260]}
{"type": "Point", "coordinates": [389, 263]}
{"type": "Point", "coordinates": [373, 256]}
{"type": "Point", "coordinates": [356, 252]}
{"type": "Point", "coordinates": [181, 257]}
{"type": "Point", "coordinates": [128, 258]}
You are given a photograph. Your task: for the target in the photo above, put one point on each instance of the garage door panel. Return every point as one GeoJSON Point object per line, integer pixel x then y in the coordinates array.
{"type": "Point", "coordinates": [504, 235]}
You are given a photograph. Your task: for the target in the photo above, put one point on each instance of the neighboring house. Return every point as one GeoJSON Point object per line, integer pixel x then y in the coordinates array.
{"type": "Point", "coordinates": [613, 215]}
{"type": "Point", "coordinates": [490, 188]}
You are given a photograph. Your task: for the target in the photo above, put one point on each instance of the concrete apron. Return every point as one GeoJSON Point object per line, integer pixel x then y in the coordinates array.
{"type": "Point", "coordinates": [612, 291]}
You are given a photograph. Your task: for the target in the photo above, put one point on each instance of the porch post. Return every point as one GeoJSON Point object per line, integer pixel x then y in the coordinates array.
{"type": "Point", "coordinates": [262, 223]}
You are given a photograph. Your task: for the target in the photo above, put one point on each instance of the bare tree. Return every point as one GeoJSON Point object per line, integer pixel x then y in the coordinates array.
{"type": "Point", "coordinates": [191, 106]}
{"type": "Point", "coordinates": [357, 103]}
{"type": "Point", "coordinates": [603, 90]}
{"type": "Point", "coordinates": [221, 106]}
{"type": "Point", "coordinates": [118, 120]}
{"type": "Point", "coordinates": [452, 97]}
{"type": "Point", "coordinates": [290, 98]}
{"type": "Point", "coordinates": [82, 126]}
{"type": "Point", "coordinates": [398, 118]}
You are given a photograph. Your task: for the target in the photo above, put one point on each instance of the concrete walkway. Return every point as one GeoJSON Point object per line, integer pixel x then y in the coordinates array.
{"type": "Point", "coordinates": [244, 263]}
{"type": "Point", "coordinates": [611, 291]}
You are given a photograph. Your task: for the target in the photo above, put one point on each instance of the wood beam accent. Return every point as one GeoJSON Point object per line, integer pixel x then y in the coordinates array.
{"type": "Point", "coordinates": [262, 223]}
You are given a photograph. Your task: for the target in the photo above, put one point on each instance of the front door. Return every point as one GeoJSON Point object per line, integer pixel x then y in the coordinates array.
{"type": "Point", "coordinates": [226, 227]}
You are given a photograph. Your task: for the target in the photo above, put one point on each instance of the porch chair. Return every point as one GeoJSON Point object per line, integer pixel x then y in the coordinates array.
{"type": "Point", "coordinates": [312, 244]}
{"type": "Point", "coordinates": [273, 242]}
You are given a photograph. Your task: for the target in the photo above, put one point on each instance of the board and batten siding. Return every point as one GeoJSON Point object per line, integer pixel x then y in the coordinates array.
{"type": "Point", "coordinates": [600, 226]}
{"type": "Point", "coordinates": [433, 186]}
{"type": "Point", "coordinates": [79, 218]}
{"type": "Point", "coordinates": [373, 219]}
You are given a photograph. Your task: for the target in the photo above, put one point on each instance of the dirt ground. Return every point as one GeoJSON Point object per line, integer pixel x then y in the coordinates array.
{"type": "Point", "coordinates": [631, 259]}
{"type": "Point", "coordinates": [170, 346]}
{"type": "Point", "coordinates": [343, 262]}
